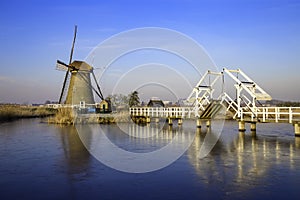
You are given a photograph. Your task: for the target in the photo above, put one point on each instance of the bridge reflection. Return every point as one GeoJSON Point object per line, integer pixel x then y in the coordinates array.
{"type": "Point", "coordinates": [241, 160]}
{"type": "Point", "coordinates": [237, 158]}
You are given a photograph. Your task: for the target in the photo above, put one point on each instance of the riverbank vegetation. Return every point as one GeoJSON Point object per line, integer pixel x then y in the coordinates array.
{"type": "Point", "coordinates": [62, 116]}
{"type": "Point", "coordinates": [68, 116]}
{"type": "Point", "coordinates": [9, 112]}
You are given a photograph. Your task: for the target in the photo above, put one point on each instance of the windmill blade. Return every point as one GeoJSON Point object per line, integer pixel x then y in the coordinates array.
{"type": "Point", "coordinates": [99, 90]}
{"type": "Point", "coordinates": [63, 88]}
{"type": "Point", "coordinates": [64, 65]}
{"type": "Point", "coordinates": [61, 66]}
{"type": "Point", "coordinates": [72, 50]}
{"type": "Point", "coordinates": [68, 68]}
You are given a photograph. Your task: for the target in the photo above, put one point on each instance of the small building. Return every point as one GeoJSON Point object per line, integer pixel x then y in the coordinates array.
{"type": "Point", "coordinates": [156, 103]}
{"type": "Point", "coordinates": [104, 106]}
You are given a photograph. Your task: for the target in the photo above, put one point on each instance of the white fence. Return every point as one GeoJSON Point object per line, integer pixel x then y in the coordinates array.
{"type": "Point", "coordinates": [272, 114]}
{"type": "Point", "coordinates": [165, 112]}
{"type": "Point", "coordinates": [81, 105]}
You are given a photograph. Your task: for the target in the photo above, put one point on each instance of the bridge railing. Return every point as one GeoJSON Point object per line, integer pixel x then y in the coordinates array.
{"type": "Point", "coordinates": [81, 105]}
{"type": "Point", "coordinates": [173, 112]}
{"type": "Point", "coordinates": [272, 114]}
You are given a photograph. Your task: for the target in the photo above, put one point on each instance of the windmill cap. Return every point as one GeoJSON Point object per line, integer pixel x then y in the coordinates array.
{"type": "Point", "coordinates": [81, 65]}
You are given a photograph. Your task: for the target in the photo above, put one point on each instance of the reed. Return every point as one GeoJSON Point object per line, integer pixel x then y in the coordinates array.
{"type": "Point", "coordinates": [11, 112]}
{"type": "Point", "coordinates": [63, 116]}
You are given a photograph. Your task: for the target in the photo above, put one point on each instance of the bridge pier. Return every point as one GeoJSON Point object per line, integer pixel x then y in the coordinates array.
{"type": "Point", "coordinates": [253, 126]}
{"type": "Point", "coordinates": [180, 121]}
{"type": "Point", "coordinates": [208, 123]}
{"type": "Point", "coordinates": [199, 123]}
{"type": "Point", "coordinates": [297, 129]}
{"type": "Point", "coordinates": [148, 120]}
{"type": "Point", "coordinates": [170, 121]}
{"type": "Point", "coordinates": [242, 125]}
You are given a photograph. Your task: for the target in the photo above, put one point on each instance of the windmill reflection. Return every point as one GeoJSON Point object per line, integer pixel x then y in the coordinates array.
{"type": "Point", "coordinates": [76, 156]}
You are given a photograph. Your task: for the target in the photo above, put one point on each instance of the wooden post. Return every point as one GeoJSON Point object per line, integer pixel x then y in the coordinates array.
{"type": "Point", "coordinates": [253, 126]}
{"type": "Point", "coordinates": [170, 121]}
{"type": "Point", "coordinates": [208, 123]}
{"type": "Point", "coordinates": [297, 129]}
{"type": "Point", "coordinates": [242, 125]}
{"type": "Point", "coordinates": [199, 123]}
{"type": "Point", "coordinates": [148, 120]}
{"type": "Point", "coordinates": [180, 121]}
{"type": "Point", "coordinates": [297, 142]}
{"type": "Point", "coordinates": [198, 131]}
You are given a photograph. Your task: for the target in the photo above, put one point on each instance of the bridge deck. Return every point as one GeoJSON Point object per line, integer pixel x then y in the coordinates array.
{"type": "Point", "coordinates": [260, 114]}
{"type": "Point", "coordinates": [162, 112]}
{"type": "Point", "coordinates": [272, 114]}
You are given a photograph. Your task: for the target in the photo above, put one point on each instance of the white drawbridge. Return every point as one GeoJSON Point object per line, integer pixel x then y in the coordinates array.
{"type": "Point", "coordinates": [244, 103]}
{"type": "Point", "coordinates": [247, 92]}
{"type": "Point", "coordinates": [212, 92]}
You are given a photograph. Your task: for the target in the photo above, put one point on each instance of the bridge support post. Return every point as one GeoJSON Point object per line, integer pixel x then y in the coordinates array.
{"type": "Point", "coordinates": [199, 123]}
{"type": "Point", "coordinates": [297, 129]}
{"type": "Point", "coordinates": [148, 120]}
{"type": "Point", "coordinates": [253, 126]}
{"type": "Point", "coordinates": [170, 121]}
{"type": "Point", "coordinates": [198, 131]}
{"type": "Point", "coordinates": [253, 129]}
{"type": "Point", "coordinates": [180, 121]}
{"type": "Point", "coordinates": [253, 134]}
{"type": "Point", "coordinates": [242, 126]}
{"type": "Point", "coordinates": [208, 123]}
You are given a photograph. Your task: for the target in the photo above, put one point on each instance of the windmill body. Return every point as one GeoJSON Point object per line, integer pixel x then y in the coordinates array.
{"type": "Point", "coordinates": [80, 86]}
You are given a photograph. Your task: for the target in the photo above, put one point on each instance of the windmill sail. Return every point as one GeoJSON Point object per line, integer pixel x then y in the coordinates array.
{"type": "Point", "coordinates": [67, 71]}
{"type": "Point", "coordinates": [61, 67]}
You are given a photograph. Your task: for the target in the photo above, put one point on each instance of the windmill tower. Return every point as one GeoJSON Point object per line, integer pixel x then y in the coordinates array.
{"type": "Point", "coordinates": [78, 86]}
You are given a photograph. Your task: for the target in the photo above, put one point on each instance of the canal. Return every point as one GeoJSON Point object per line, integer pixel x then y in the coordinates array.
{"type": "Point", "coordinates": [42, 161]}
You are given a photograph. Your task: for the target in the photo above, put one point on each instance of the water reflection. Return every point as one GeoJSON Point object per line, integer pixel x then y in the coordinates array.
{"type": "Point", "coordinates": [144, 149]}
{"type": "Point", "coordinates": [76, 156]}
{"type": "Point", "coordinates": [242, 160]}
{"type": "Point", "coordinates": [237, 156]}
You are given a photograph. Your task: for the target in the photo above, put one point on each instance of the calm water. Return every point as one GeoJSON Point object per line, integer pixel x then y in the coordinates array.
{"type": "Point", "coordinates": [41, 161]}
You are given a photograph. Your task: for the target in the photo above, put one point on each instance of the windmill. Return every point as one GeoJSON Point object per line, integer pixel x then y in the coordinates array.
{"type": "Point", "coordinates": [77, 86]}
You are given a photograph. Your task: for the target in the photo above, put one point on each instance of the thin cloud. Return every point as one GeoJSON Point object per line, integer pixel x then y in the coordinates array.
{"type": "Point", "coordinates": [6, 79]}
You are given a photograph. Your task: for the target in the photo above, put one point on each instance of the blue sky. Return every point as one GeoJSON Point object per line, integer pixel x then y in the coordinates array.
{"type": "Point", "coordinates": [260, 37]}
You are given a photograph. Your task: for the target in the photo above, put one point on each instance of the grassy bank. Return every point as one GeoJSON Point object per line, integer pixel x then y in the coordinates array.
{"type": "Point", "coordinates": [62, 116]}
{"type": "Point", "coordinates": [67, 116]}
{"type": "Point", "coordinates": [12, 112]}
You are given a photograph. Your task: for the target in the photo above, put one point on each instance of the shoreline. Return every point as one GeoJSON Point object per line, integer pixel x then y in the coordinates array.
{"type": "Point", "coordinates": [10, 113]}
